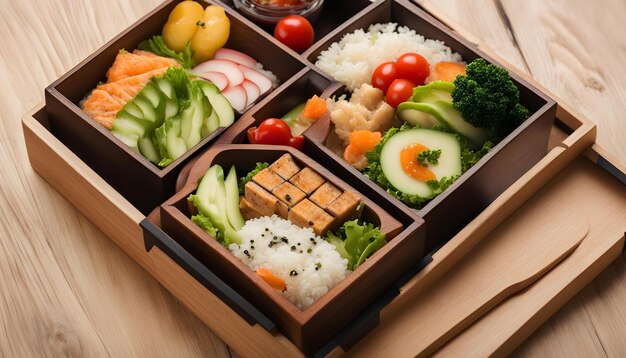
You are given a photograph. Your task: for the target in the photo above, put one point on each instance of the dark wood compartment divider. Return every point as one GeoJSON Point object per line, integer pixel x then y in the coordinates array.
{"type": "Point", "coordinates": [446, 214]}
{"type": "Point", "coordinates": [309, 328]}
{"type": "Point", "coordinates": [143, 183]}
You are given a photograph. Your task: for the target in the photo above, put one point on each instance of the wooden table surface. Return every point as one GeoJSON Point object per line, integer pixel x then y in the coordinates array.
{"type": "Point", "coordinates": [66, 289]}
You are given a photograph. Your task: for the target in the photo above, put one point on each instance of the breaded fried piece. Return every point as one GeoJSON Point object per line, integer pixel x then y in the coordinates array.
{"type": "Point", "coordinates": [285, 166]}
{"type": "Point", "coordinates": [307, 214]}
{"type": "Point", "coordinates": [288, 194]}
{"type": "Point", "coordinates": [326, 194]}
{"type": "Point", "coordinates": [344, 207]}
{"type": "Point", "coordinates": [128, 64]}
{"type": "Point", "coordinates": [260, 199]}
{"type": "Point", "coordinates": [267, 179]}
{"type": "Point", "coordinates": [307, 180]}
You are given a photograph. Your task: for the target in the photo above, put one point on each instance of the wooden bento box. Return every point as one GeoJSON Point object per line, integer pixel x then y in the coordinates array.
{"type": "Point", "coordinates": [400, 301]}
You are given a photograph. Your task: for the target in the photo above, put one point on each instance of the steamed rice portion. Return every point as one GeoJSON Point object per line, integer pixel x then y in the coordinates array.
{"type": "Point", "coordinates": [308, 264]}
{"type": "Point", "coordinates": [353, 60]}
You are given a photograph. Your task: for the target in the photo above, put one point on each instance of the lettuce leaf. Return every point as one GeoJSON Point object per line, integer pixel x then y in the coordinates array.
{"type": "Point", "coordinates": [206, 225]}
{"type": "Point", "coordinates": [157, 46]}
{"type": "Point", "coordinates": [356, 242]}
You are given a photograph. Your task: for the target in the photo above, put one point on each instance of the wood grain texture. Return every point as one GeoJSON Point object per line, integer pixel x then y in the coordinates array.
{"type": "Point", "coordinates": [66, 289]}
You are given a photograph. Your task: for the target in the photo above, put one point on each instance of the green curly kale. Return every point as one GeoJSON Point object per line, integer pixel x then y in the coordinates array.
{"type": "Point", "coordinates": [157, 46]}
{"type": "Point", "coordinates": [488, 98]}
{"type": "Point", "coordinates": [206, 225]}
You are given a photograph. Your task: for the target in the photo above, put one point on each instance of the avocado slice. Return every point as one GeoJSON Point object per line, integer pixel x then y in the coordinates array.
{"type": "Point", "coordinates": [451, 118]}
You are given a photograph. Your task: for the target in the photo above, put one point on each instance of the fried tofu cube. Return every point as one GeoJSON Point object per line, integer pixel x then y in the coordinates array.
{"type": "Point", "coordinates": [247, 210]}
{"type": "Point", "coordinates": [307, 180]}
{"type": "Point", "coordinates": [325, 194]}
{"type": "Point", "coordinates": [282, 209]}
{"type": "Point", "coordinates": [307, 214]}
{"type": "Point", "coordinates": [267, 179]}
{"type": "Point", "coordinates": [344, 207]}
{"type": "Point", "coordinates": [289, 194]}
{"type": "Point", "coordinates": [260, 199]}
{"type": "Point", "coordinates": [285, 166]}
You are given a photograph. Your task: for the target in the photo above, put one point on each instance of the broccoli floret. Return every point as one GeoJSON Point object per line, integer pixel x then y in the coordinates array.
{"type": "Point", "coordinates": [487, 98]}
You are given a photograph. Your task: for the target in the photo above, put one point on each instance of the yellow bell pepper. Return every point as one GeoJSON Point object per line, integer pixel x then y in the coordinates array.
{"type": "Point", "coordinates": [207, 30]}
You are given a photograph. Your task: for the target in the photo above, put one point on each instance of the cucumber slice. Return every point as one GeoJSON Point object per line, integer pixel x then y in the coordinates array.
{"type": "Point", "coordinates": [449, 162]}
{"type": "Point", "coordinates": [211, 123]}
{"type": "Point", "coordinates": [128, 138]}
{"type": "Point", "coordinates": [175, 145]}
{"type": "Point", "coordinates": [148, 149]}
{"type": "Point", "coordinates": [132, 109]}
{"type": "Point", "coordinates": [158, 100]}
{"type": "Point", "coordinates": [292, 116]}
{"type": "Point", "coordinates": [232, 200]}
{"type": "Point", "coordinates": [149, 112]}
{"type": "Point", "coordinates": [220, 104]}
{"type": "Point", "coordinates": [192, 118]}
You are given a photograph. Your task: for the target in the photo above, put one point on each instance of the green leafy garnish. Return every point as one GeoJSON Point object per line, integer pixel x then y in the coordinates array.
{"type": "Point", "coordinates": [206, 224]}
{"type": "Point", "coordinates": [429, 157]}
{"type": "Point", "coordinates": [356, 242]}
{"type": "Point", "coordinates": [157, 46]}
{"type": "Point", "coordinates": [243, 180]}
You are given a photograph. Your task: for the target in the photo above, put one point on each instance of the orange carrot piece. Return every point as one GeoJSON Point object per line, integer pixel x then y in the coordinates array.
{"type": "Point", "coordinates": [447, 71]}
{"type": "Point", "coordinates": [361, 142]}
{"type": "Point", "coordinates": [315, 107]}
{"type": "Point", "coordinates": [276, 282]}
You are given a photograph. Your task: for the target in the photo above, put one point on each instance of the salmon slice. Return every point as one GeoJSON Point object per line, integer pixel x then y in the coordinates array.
{"type": "Point", "coordinates": [129, 64]}
{"type": "Point", "coordinates": [105, 101]}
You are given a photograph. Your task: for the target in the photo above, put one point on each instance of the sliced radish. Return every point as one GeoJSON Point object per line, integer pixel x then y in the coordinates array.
{"type": "Point", "coordinates": [252, 91]}
{"type": "Point", "coordinates": [229, 68]}
{"type": "Point", "coordinates": [256, 77]}
{"type": "Point", "coordinates": [235, 56]}
{"type": "Point", "coordinates": [237, 97]}
{"type": "Point", "coordinates": [218, 78]}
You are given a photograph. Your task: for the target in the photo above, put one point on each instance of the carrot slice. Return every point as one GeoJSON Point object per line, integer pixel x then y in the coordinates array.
{"type": "Point", "coordinates": [447, 71]}
{"type": "Point", "coordinates": [276, 282]}
{"type": "Point", "coordinates": [361, 142]}
{"type": "Point", "coordinates": [315, 107]}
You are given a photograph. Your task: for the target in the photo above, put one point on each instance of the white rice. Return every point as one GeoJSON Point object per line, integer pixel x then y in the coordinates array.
{"type": "Point", "coordinates": [353, 60]}
{"type": "Point", "coordinates": [285, 259]}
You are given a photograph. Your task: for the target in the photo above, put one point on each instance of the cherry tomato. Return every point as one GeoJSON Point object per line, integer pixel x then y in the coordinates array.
{"type": "Point", "coordinates": [384, 75]}
{"type": "Point", "coordinates": [297, 142]}
{"type": "Point", "coordinates": [413, 67]}
{"type": "Point", "coordinates": [399, 91]}
{"type": "Point", "coordinates": [251, 135]}
{"type": "Point", "coordinates": [296, 32]}
{"type": "Point", "coordinates": [273, 131]}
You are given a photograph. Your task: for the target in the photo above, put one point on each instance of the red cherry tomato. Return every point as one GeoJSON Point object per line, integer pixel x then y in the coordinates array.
{"type": "Point", "coordinates": [296, 32]}
{"type": "Point", "coordinates": [384, 75]}
{"type": "Point", "coordinates": [399, 91]}
{"type": "Point", "coordinates": [413, 67]}
{"type": "Point", "coordinates": [273, 131]}
{"type": "Point", "coordinates": [251, 135]}
{"type": "Point", "coordinates": [297, 142]}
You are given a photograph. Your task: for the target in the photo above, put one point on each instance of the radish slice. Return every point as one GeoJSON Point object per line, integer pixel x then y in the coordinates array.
{"type": "Point", "coordinates": [229, 68]}
{"type": "Point", "coordinates": [217, 78]}
{"type": "Point", "coordinates": [235, 56]}
{"type": "Point", "coordinates": [237, 97]}
{"type": "Point", "coordinates": [252, 91]}
{"type": "Point", "coordinates": [256, 77]}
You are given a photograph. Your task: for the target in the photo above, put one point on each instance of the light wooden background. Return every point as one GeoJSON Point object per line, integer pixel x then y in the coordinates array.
{"type": "Point", "coordinates": [65, 289]}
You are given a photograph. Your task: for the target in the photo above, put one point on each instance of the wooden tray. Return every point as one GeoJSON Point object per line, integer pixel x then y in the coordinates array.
{"type": "Point", "coordinates": [249, 330]}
